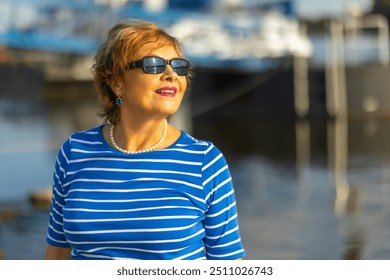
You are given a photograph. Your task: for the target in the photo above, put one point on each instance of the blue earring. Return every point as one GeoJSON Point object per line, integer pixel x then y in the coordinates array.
{"type": "Point", "coordinates": [119, 101]}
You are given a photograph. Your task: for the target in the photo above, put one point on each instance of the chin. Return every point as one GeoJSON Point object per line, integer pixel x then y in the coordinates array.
{"type": "Point", "coordinates": [169, 109]}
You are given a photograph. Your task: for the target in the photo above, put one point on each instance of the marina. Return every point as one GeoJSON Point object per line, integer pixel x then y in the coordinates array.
{"type": "Point", "coordinates": [299, 107]}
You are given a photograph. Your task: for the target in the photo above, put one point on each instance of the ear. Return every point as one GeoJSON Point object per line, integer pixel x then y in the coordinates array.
{"type": "Point", "coordinates": [116, 84]}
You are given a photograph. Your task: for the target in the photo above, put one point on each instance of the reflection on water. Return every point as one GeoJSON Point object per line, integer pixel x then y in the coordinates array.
{"type": "Point", "coordinates": [309, 190]}
{"type": "Point", "coordinates": [305, 190]}
{"type": "Point", "coordinates": [32, 131]}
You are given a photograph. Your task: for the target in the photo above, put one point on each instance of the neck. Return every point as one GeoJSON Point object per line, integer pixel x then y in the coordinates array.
{"type": "Point", "coordinates": [136, 138]}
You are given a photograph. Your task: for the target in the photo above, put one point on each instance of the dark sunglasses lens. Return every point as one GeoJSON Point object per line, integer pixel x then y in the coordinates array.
{"type": "Point", "coordinates": [153, 65]}
{"type": "Point", "coordinates": [180, 66]}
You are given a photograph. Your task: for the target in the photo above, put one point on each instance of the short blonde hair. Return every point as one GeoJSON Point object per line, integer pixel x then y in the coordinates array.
{"type": "Point", "coordinates": [123, 43]}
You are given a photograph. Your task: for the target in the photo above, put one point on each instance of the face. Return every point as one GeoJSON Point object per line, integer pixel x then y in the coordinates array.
{"type": "Point", "coordinates": [151, 95]}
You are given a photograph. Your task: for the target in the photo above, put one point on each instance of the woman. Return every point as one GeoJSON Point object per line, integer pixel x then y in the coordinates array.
{"type": "Point", "coordinates": [137, 187]}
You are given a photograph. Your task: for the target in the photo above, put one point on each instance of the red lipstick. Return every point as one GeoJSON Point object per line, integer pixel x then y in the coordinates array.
{"type": "Point", "coordinates": [167, 91]}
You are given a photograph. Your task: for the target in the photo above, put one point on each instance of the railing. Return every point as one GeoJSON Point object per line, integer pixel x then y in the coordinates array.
{"type": "Point", "coordinates": [343, 50]}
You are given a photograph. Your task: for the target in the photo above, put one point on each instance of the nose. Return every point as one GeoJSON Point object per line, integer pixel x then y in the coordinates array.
{"type": "Point", "coordinates": [169, 73]}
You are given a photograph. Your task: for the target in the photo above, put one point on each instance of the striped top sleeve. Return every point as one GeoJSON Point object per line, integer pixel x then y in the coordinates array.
{"type": "Point", "coordinates": [222, 231]}
{"type": "Point", "coordinates": [57, 236]}
{"type": "Point", "coordinates": [173, 203]}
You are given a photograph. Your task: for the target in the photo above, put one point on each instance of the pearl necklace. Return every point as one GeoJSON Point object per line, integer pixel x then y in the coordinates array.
{"type": "Point", "coordinates": [140, 151]}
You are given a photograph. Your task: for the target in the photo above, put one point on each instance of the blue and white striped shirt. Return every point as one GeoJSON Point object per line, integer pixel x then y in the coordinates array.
{"type": "Point", "coordinates": [173, 203]}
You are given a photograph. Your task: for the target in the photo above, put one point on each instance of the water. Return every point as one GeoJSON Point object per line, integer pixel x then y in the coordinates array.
{"type": "Point", "coordinates": [305, 190]}
{"type": "Point", "coordinates": [315, 190]}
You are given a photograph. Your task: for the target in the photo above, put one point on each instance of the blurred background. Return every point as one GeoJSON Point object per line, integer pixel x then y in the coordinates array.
{"type": "Point", "coordinates": [294, 92]}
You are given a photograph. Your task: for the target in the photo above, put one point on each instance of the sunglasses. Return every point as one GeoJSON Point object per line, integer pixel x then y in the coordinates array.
{"type": "Point", "coordinates": [157, 65]}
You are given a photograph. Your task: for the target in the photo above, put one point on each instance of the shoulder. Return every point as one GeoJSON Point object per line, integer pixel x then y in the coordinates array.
{"type": "Point", "coordinates": [89, 134]}
{"type": "Point", "coordinates": [85, 137]}
{"type": "Point", "coordinates": [187, 140]}
{"type": "Point", "coordinates": [204, 147]}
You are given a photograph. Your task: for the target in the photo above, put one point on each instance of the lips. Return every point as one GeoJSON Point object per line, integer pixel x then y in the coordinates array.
{"type": "Point", "coordinates": [167, 91]}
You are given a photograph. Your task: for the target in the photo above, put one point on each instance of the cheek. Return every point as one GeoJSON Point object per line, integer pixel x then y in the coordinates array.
{"type": "Point", "coordinates": [136, 88]}
{"type": "Point", "coordinates": [183, 84]}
